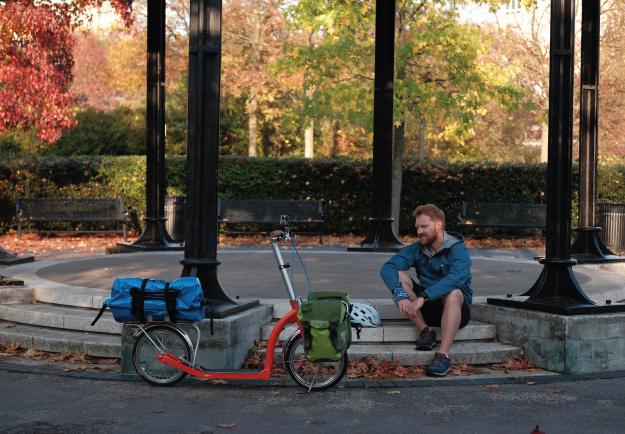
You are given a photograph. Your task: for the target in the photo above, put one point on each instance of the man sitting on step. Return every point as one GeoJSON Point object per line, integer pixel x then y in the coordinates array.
{"type": "Point", "coordinates": [443, 295]}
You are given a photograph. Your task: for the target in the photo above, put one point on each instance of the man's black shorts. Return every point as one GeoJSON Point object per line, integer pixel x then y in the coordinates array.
{"type": "Point", "coordinates": [432, 311]}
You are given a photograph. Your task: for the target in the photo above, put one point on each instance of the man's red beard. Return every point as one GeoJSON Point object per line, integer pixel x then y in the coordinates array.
{"type": "Point", "coordinates": [424, 240]}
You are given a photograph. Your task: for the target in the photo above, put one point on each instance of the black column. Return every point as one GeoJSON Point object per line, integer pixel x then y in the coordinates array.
{"type": "Point", "coordinates": [154, 235]}
{"type": "Point", "coordinates": [557, 289]}
{"type": "Point", "coordinates": [588, 247]}
{"type": "Point", "coordinates": [200, 253]}
{"type": "Point", "coordinates": [381, 237]}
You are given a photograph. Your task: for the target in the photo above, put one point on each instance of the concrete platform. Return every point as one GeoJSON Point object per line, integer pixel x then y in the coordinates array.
{"type": "Point", "coordinates": [252, 273]}
{"type": "Point", "coordinates": [67, 294]}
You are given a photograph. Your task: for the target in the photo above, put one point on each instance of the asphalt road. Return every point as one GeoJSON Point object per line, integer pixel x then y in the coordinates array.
{"type": "Point", "coordinates": [37, 403]}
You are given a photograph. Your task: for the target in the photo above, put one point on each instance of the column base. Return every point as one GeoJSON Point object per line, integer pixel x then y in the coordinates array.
{"type": "Point", "coordinates": [153, 238]}
{"type": "Point", "coordinates": [556, 305]}
{"type": "Point", "coordinates": [7, 258]}
{"type": "Point", "coordinates": [218, 304]}
{"type": "Point", "coordinates": [7, 281]}
{"type": "Point", "coordinates": [556, 291]}
{"type": "Point", "coordinates": [589, 249]}
{"type": "Point", "coordinates": [380, 238]}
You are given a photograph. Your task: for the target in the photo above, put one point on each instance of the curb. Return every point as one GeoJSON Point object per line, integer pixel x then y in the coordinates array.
{"type": "Point", "coordinates": [344, 384]}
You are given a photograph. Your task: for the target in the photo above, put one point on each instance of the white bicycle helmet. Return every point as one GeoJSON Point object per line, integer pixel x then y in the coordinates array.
{"type": "Point", "coordinates": [364, 315]}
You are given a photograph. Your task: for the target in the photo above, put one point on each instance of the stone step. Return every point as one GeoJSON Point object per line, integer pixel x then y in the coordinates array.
{"type": "Point", "coordinates": [109, 345]}
{"type": "Point", "coordinates": [385, 307]}
{"type": "Point", "coordinates": [399, 331]}
{"type": "Point", "coordinates": [60, 317]}
{"type": "Point", "coordinates": [474, 353]}
{"type": "Point", "coordinates": [471, 352]}
{"type": "Point", "coordinates": [60, 341]}
{"type": "Point", "coordinates": [13, 294]}
{"type": "Point", "coordinates": [70, 295]}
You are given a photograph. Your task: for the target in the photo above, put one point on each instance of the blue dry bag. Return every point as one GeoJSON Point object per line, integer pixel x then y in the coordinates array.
{"type": "Point", "coordinates": [137, 299]}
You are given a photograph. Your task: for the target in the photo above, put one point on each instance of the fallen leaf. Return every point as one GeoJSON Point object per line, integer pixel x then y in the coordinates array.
{"type": "Point", "coordinates": [520, 363]}
{"type": "Point", "coordinates": [226, 425]}
{"type": "Point", "coordinates": [393, 392]}
{"type": "Point", "coordinates": [316, 422]}
{"type": "Point", "coordinates": [13, 347]}
{"type": "Point", "coordinates": [537, 430]}
{"type": "Point", "coordinates": [493, 386]}
{"type": "Point", "coordinates": [531, 382]}
{"type": "Point", "coordinates": [32, 353]}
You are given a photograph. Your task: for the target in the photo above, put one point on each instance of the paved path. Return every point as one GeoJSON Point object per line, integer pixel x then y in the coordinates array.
{"type": "Point", "coordinates": [252, 272]}
{"type": "Point", "coordinates": [51, 404]}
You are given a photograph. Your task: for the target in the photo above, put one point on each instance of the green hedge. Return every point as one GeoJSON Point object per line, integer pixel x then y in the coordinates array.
{"type": "Point", "coordinates": [344, 185]}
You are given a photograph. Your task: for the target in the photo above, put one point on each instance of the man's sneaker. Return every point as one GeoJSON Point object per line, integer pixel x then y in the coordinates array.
{"type": "Point", "coordinates": [440, 365]}
{"type": "Point", "coordinates": [426, 340]}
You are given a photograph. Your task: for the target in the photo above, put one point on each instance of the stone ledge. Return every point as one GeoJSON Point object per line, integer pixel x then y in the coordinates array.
{"type": "Point", "coordinates": [14, 295]}
{"type": "Point", "coordinates": [60, 317]}
{"type": "Point", "coordinates": [566, 344]}
{"type": "Point", "coordinates": [226, 348]}
{"type": "Point", "coordinates": [60, 341]}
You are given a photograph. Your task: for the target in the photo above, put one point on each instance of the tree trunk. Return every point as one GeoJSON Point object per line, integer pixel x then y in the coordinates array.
{"type": "Point", "coordinates": [252, 103]}
{"type": "Point", "coordinates": [252, 127]}
{"type": "Point", "coordinates": [266, 139]}
{"type": "Point", "coordinates": [309, 140]}
{"type": "Point", "coordinates": [398, 139]}
{"type": "Point", "coordinates": [544, 142]}
{"type": "Point", "coordinates": [398, 161]}
{"type": "Point", "coordinates": [421, 140]}
{"type": "Point", "coordinates": [334, 140]}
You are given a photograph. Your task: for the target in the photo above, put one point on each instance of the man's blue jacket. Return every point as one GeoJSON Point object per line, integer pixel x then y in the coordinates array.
{"type": "Point", "coordinates": [447, 269]}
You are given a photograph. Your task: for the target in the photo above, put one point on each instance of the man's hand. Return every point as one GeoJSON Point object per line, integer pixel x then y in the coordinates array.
{"type": "Point", "coordinates": [405, 307]}
{"type": "Point", "coordinates": [410, 308]}
{"type": "Point", "coordinates": [419, 302]}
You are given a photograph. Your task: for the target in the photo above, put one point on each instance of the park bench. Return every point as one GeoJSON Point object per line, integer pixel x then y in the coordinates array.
{"type": "Point", "coordinates": [266, 213]}
{"type": "Point", "coordinates": [43, 210]}
{"type": "Point", "coordinates": [503, 215]}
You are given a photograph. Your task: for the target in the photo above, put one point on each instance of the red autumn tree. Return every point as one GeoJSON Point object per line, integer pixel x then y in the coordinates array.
{"type": "Point", "coordinates": [36, 62]}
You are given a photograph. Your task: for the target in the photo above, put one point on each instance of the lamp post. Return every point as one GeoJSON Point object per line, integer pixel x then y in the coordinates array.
{"type": "Point", "coordinates": [381, 237]}
{"type": "Point", "coordinates": [200, 252]}
{"type": "Point", "coordinates": [557, 290]}
{"type": "Point", "coordinates": [154, 235]}
{"type": "Point", "coordinates": [588, 247]}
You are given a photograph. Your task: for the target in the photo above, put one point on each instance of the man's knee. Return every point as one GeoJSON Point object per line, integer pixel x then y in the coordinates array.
{"type": "Point", "coordinates": [454, 298]}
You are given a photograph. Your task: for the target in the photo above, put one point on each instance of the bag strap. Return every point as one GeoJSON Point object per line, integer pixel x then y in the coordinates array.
{"type": "Point", "coordinates": [170, 301]}
{"type": "Point", "coordinates": [99, 315]}
{"type": "Point", "coordinates": [307, 337]}
{"type": "Point", "coordinates": [138, 297]}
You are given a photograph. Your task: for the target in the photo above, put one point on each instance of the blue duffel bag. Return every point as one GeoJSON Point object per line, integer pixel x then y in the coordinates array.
{"type": "Point", "coordinates": [137, 299]}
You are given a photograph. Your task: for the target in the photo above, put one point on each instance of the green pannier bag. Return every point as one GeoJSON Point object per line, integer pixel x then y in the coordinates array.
{"type": "Point", "coordinates": [327, 329]}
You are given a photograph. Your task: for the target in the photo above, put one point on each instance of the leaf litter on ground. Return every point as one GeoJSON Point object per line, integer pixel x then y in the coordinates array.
{"type": "Point", "coordinates": [68, 245]}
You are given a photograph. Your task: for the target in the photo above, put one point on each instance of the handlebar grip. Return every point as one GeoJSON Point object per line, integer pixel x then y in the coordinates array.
{"type": "Point", "coordinates": [276, 234]}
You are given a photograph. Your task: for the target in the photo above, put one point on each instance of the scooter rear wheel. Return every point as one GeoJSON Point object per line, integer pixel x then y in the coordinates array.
{"type": "Point", "coordinates": [311, 375]}
{"type": "Point", "coordinates": [144, 355]}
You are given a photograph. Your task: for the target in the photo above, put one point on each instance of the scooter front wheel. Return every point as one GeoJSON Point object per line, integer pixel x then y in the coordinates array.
{"type": "Point", "coordinates": [153, 341]}
{"type": "Point", "coordinates": [311, 375]}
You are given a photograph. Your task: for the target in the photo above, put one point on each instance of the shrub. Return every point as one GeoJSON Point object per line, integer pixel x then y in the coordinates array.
{"type": "Point", "coordinates": [344, 185]}
{"type": "Point", "coordinates": [117, 132]}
